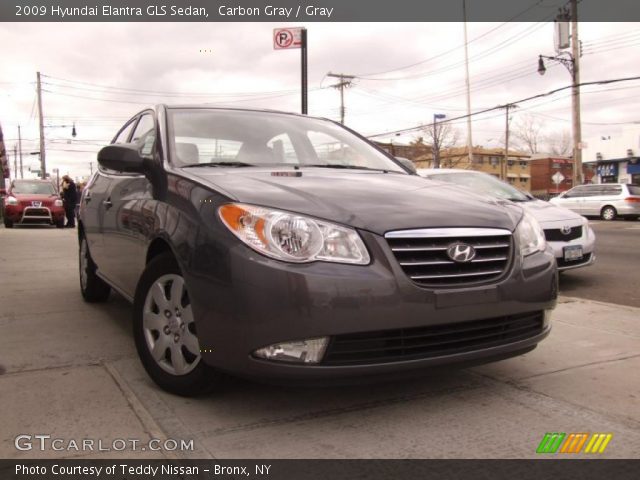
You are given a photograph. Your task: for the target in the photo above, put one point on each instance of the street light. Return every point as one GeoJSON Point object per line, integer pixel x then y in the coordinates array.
{"type": "Point", "coordinates": [572, 66]}
{"type": "Point", "coordinates": [436, 140]}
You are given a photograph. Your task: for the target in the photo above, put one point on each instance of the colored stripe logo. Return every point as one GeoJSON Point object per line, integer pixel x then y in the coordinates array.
{"type": "Point", "coordinates": [557, 442]}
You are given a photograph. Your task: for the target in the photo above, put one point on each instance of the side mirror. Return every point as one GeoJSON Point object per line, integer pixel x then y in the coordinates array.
{"type": "Point", "coordinates": [122, 158]}
{"type": "Point", "coordinates": [408, 164]}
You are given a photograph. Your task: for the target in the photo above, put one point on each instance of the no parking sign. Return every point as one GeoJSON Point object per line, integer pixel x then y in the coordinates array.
{"type": "Point", "coordinates": [284, 38]}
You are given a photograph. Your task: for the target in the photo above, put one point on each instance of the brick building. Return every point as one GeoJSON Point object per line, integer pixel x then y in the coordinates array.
{"type": "Point", "coordinates": [543, 170]}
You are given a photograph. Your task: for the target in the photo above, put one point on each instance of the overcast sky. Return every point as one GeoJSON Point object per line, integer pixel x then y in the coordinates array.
{"type": "Point", "coordinates": [98, 75]}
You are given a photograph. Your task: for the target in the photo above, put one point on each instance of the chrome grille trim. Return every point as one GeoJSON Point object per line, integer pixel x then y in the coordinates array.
{"type": "Point", "coordinates": [447, 232]}
{"type": "Point", "coordinates": [422, 255]}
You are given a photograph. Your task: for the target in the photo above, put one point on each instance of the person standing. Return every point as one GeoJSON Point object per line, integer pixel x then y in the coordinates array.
{"type": "Point", "coordinates": [69, 199]}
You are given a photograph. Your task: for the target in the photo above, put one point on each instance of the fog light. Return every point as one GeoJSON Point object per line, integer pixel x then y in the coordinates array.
{"type": "Point", "coordinates": [310, 350]}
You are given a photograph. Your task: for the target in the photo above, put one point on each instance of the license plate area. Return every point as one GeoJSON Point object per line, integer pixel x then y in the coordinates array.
{"type": "Point", "coordinates": [573, 253]}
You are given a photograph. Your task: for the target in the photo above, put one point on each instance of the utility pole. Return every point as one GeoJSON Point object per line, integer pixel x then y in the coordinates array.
{"type": "Point", "coordinates": [15, 162]}
{"type": "Point", "coordinates": [505, 161]}
{"type": "Point", "coordinates": [345, 82]}
{"type": "Point", "coordinates": [43, 161]}
{"type": "Point", "coordinates": [575, 96]}
{"type": "Point", "coordinates": [20, 150]}
{"type": "Point", "coordinates": [468, 84]}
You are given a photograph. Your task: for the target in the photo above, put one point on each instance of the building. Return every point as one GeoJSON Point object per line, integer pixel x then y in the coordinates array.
{"type": "Point", "coordinates": [615, 158]}
{"type": "Point", "coordinates": [488, 160]}
{"type": "Point", "coordinates": [413, 151]}
{"type": "Point", "coordinates": [552, 175]}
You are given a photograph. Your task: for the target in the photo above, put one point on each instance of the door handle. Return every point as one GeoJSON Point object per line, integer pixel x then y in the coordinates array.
{"type": "Point", "coordinates": [87, 197]}
{"type": "Point", "coordinates": [107, 203]}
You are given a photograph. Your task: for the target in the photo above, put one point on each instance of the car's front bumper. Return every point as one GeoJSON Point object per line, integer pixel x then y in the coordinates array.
{"type": "Point", "coordinates": [31, 214]}
{"type": "Point", "coordinates": [247, 301]}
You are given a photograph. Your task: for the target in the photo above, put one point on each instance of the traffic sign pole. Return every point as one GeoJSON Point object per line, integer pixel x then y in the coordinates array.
{"type": "Point", "coordinates": [287, 38]}
{"type": "Point", "coordinates": [303, 65]}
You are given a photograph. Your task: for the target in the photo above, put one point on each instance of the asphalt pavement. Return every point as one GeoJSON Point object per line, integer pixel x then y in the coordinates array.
{"type": "Point", "coordinates": [614, 276]}
{"type": "Point", "coordinates": [69, 369]}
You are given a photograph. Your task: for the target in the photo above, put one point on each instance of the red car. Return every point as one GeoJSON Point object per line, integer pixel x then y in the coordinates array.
{"type": "Point", "coordinates": [33, 201]}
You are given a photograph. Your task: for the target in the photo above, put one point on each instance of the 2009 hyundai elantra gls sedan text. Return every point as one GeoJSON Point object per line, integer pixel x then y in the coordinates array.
{"type": "Point", "coordinates": [284, 247]}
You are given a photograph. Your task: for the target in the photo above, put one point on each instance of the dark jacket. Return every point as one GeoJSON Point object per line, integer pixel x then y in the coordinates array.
{"type": "Point", "coordinates": [70, 194]}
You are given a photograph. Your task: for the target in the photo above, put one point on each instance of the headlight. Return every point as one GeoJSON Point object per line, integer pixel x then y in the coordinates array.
{"type": "Point", "coordinates": [11, 201]}
{"type": "Point", "coordinates": [57, 203]}
{"type": "Point", "coordinates": [292, 237]}
{"type": "Point", "coordinates": [530, 235]}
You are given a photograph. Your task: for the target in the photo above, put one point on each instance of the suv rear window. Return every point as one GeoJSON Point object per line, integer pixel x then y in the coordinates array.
{"type": "Point", "coordinates": [634, 189]}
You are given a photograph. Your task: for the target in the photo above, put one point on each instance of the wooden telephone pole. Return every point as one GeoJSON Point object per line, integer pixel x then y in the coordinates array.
{"type": "Point", "coordinates": [345, 82]}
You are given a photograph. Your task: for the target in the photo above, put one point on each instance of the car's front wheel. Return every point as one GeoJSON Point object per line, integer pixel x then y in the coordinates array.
{"type": "Point", "coordinates": [165, 330]}
{"type": "Point", "coordinates": [8, 223]}
{"type": "Point", "coordinates": [92, 287]}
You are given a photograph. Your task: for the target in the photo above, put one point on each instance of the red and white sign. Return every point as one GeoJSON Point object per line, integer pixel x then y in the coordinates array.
{"type": "Point", "coordinates": [284, 38]}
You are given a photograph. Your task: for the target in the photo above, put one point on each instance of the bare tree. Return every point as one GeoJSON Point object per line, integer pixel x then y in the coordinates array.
{"type": "Point", "coordinates": [527, 133]}
{"type": "Point", "coordinates": [442, 136]}
{"type": "Point", "coordinates": [559, 143]}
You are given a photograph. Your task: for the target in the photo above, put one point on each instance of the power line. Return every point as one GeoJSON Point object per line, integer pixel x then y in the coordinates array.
{"type": "Point", "coordinates": [405, 67]}
{"type": "Point", "coordinates": [540, 95]}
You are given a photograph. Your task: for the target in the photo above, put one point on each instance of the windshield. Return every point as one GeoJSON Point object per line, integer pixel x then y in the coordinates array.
{"type": "Point", "coordinates": [483, 183]}
{"type": "Point", "coordinates": [33, 188]}
{"type": "Point", "coordinates": [241, 138]}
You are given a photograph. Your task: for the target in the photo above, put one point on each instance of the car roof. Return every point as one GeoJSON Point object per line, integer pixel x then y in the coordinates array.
{"type": "Point", "coordinates": [31, 180]}
{"type": "Point", "coordinates": [201, 106]}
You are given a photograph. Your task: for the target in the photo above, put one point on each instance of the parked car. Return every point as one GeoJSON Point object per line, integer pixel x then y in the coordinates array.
{"type": "Point", "coordinates": [281, 246]}
{"type": "Point", "coordinates": [607, 200]}
{"type": "Point", "coordinates": [33, 201]}
{"type": "Point", "coordinates": [568, 234]}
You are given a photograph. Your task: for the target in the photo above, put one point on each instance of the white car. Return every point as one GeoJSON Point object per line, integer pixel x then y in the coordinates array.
{"type": "Point", "coordinates": [568, 233]}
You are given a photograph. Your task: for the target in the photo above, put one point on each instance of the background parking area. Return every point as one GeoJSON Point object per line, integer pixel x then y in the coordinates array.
{"type": "Point", "coordinates": [69, 369]}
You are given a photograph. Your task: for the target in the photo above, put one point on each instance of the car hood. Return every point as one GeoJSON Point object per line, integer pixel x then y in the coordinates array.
{"type": "Point", "coordinates": [369, 200]}
{"type": "Point", "coordinates": [32, 197]}
{"type": "Point", "coordinates": [547, 212]}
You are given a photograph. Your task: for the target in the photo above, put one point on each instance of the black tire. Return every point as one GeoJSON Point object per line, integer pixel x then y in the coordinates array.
{"type": "Point", "coordinates": [608, 213]}
{"type": "Point", "coordinates": [8, 223]}
{"type": "Point", "coordinates": [60, 224]}
{"type": "Point", "coordinates": [200, 378]}
{"type": "Point", "coordinates": [93, 288]}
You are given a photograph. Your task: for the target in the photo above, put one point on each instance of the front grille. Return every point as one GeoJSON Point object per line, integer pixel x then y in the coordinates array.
{"type": "Point", "coordinates": [556, 235]}
{"type": "Point", "coordinates": [572, 263]}
{"type": "Point", "coordinates": [36, 212]}
{"type": "Point", "coordinates": [432, 341]}
{"type": "Point", "coordinates": [422, 254]}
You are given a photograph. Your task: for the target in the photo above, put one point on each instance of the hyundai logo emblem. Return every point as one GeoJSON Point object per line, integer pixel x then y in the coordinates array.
{"type": "Point", "coordinates": [461, 252]}
{"type": "Point", "coordinates": [566, 230]}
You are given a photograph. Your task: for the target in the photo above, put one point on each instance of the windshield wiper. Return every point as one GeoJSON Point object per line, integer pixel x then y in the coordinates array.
{"type": "Point", "coordinates": [219, 164]}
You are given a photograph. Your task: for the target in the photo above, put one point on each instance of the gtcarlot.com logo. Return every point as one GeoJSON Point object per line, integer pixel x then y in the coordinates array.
{"type": "Point", "coordinates": [556, 442]}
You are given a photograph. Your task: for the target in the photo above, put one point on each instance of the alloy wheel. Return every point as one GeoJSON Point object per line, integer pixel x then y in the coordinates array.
{"type": "Point", "coordinates": [168, 326]}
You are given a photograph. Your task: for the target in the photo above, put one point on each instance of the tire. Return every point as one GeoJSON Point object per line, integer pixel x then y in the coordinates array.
{"type": "Point", "coordinates": [608, 213]}
{"type": "Point", "coordinates": [92, 287]}
{"type": "Point", "coordinates": [60, 224]}
{"type": "Point", "coordinates": [165, 331]}
{"type": "Point", "coordinates": [8, 223]}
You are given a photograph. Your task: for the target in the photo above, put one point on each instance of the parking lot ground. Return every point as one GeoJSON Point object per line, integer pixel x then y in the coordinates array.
{"type": "Point", "coordinates": [69, 369]}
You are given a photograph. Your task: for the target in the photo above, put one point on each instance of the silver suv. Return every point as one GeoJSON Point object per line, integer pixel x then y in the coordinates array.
{"type": "Point", "coordinates": [606, 200]}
